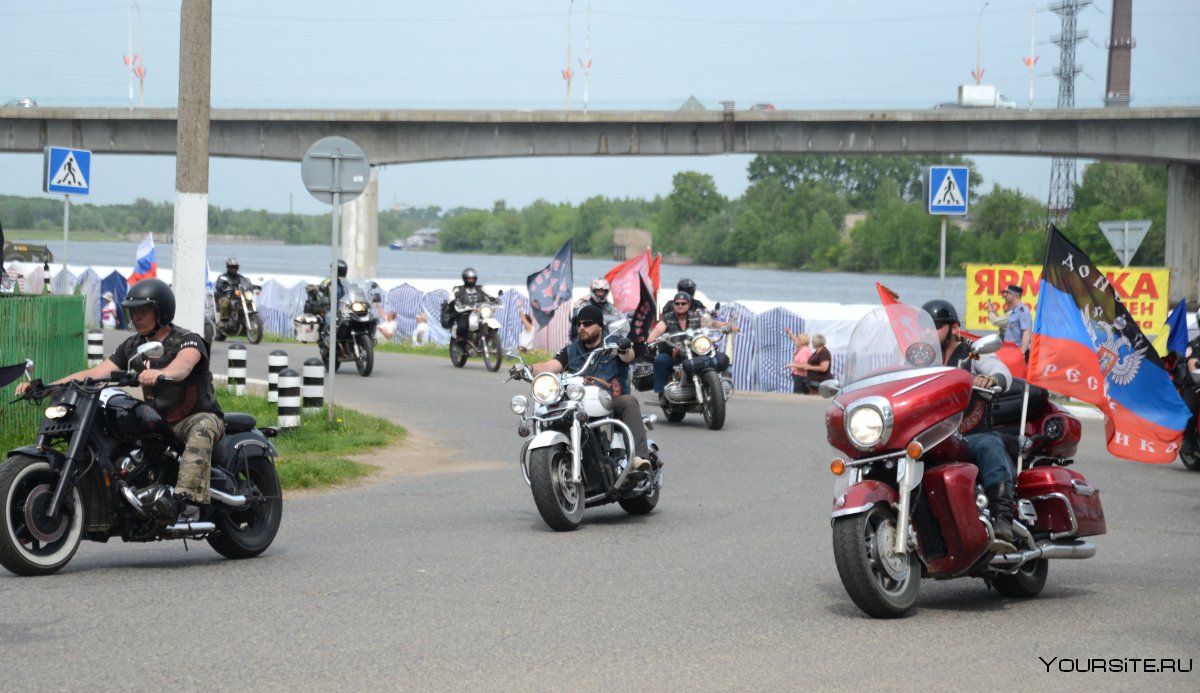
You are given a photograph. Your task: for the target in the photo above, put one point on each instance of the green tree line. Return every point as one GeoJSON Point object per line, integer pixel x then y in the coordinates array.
{"type": "Point", "coordinates": [793, 215]}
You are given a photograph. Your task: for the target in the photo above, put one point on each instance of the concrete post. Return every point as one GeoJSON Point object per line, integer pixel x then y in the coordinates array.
{"type": "Point", "coordinates": [236, 369]}
{"type": "Point", "coordinates": [1183, 232]}
{"type": "Point", "coordinates": [289, 399]}
{"type": "Point", "coordinates": [360, 232]}
{"type": "Point", "coordinates": [277, 361]}
{"type": "Point", "coordinates": [95, 347]}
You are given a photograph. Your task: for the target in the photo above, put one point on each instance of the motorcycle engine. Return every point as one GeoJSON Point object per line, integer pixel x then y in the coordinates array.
{"type": "Point", "coordinates": [680, 392]}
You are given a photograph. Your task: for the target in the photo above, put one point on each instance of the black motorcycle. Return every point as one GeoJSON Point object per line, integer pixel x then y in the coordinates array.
{"type": "Point", "coordinates": [700, 381]}
{"type": "Point", "coordinates": [242, 317]}
{"type": "Point", "coordinates": [483, 333]}
{"type": "Point", "coordinates": [104, 464]}
{"type": "Point", "coordinates": [355, 331]}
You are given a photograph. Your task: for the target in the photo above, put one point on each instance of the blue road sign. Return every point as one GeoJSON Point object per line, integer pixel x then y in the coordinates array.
{"type": "Point", "coordinates": [948, 189]}
{"type": "Point", "coordinates": [67, 171]}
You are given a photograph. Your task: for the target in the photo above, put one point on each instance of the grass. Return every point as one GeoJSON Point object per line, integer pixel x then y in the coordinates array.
{"type": "Point", "coordinates": [312, 456]}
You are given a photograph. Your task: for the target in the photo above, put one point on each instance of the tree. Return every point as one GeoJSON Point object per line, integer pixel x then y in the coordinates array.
{"type": "Point", "coordinates": [858, 176]}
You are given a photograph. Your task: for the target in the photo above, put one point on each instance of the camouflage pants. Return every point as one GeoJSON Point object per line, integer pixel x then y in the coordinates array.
{"type": "Point", "coordinates": [198, 432]}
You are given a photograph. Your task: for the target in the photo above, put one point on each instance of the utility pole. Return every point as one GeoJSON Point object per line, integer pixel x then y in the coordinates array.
{"type": "Point", "coordinates": [567, 74]}
{"type": "Point", "coordinates": [1031, 59]}
{"type": "Point", "coordinates": [1062, 170]}
{"type": "Point", "coordinates": [978, 73]}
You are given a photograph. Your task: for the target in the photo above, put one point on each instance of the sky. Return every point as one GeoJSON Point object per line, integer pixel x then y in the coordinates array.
{"type": "Point", "coordinates": [509, 54]}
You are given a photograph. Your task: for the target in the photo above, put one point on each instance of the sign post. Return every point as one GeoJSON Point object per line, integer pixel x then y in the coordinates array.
{"type": "Point", "coordinates": [1125, 237]}
{"type": "Point", "coordinates": [336, 171]}
{"type": "Point", "coordinates": [66, 171]}
{"type": "Point", "coordinates": [947, 194]}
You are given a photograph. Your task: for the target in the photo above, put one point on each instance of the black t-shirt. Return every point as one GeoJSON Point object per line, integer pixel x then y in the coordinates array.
{"type": "Point", "coordinates": [174, 401]}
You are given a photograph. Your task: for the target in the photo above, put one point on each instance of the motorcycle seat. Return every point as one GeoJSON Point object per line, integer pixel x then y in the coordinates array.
{"type": "Point", "coordinates": [1006, 407]}
{"type": "Point", "coordinates": [238, 423]}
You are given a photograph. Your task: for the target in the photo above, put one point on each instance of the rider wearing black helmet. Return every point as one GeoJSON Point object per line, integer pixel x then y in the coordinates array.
{"type": "Point", "coordinates": [185, 399]}
{"type": "Point", "coordinates": [689, 287]}
{"type": "Point", "coordinates": [467, 295]}
{"type": "Point", "coordinates": [226, 284]}
{"type": "Point", "coordinates": [987, 449]}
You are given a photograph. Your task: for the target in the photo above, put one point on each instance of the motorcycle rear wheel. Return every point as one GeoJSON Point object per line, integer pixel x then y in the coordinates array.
{"type": "Point", "coordinates": [882, 585]}
{"type": "Point", "coordinates": [254, 329]}
{"type": "Point", "coordinates": [1027, 582]}
{"type": "Point", "coordinates": [559, 502]}
{"type": "Point", "coordinates": [25, 480]}
{"type": "Point", "coordinates": [247, 532]}
{"type": "Point", "coordinates": [458, 357]}
{"type": "Point", "coordinates": [714, 400]}
{"type": "Point", "coordinates": [493, 355]}
{"type": "Point", "coordinates": [364, 356]}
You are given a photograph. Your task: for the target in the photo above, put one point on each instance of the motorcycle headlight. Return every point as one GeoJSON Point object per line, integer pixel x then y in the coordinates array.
{"type": "Point", "coordinates": [575, 391]}
{"type": "Point", "coordinates": [546, 388]}
{"type": "Point", "coordinates": [57, 411]}
{"type": "Point", "coordinates": [485, 312]}
{"type": "Point", "coordinates": [358, 307]}
{"type": "Point", "coordinates": [702, 345]}
{"type": "Point", "coordinates": [869, 422]}
{"type": "Point", "coordinates": [519, 405]}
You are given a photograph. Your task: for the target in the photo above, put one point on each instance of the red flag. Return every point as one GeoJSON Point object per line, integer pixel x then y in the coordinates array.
{"type": "Point", "coordinates": [625, 283]}
{"type": "Point", "coordinates": [901, 316]}
{"type": "Point", "coordinates": [655, 274]}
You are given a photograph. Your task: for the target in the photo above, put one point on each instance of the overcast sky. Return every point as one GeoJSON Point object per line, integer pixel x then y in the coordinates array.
{"type": "Point", "coordinates": [509, 54]}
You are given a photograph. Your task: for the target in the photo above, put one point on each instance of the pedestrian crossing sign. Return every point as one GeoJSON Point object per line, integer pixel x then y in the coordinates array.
{"type": "Point", "coordinates": [67, 171]}
{"type": "Point", "coordinates": [948, 189]}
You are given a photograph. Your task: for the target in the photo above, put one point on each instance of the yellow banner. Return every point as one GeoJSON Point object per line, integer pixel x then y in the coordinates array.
{"type": "Point", "coordinates": [1143, 290]}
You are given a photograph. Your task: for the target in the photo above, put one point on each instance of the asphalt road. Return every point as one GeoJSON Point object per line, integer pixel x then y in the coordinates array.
{"type": "Point", "coordinates": [452, 581]}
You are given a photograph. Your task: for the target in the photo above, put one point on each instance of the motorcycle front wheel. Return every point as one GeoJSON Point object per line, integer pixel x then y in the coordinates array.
{"type": "Point", "coordinates": [254, 329]}
{"type": "Point", "coordinates": [492, 353]}
{"type": "Point", "coordinates": [559, 501]}
{"type": "Point", "coordinates": [714, 400]}
{"type": "Point", "coordinates": [30, 542]}
{"type": "Point", "coordinates": [247, 532]}
{"type": "Point", "coordinates": [364, 354]}
{"type": "Point", "coordinates": [879, 582]}
{"type": "Point", "coordinates": [458, 357]}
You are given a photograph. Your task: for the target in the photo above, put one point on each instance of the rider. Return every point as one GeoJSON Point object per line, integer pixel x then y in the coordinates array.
{"type": "Point", "coordinates": [186, 400]}
{"type": "Point", "coordinates": [684, 314]}
{"type": "Point", "coordinates": [322, 302]}
{"type": "Point", "coordinates": [1189, 392]}
{"type": "Point", "coordinates": [599, 298]}
{"type": "Point", "coordinates": [226, 284]}
{"type": "Point", "coordinates": [608, 371]}
{"type": "Point", "coordinates": [689, 287]}
{"type": "Point", "coordinates": [467, 295]}
{"type": "Point", "coordinates": [987, 449]}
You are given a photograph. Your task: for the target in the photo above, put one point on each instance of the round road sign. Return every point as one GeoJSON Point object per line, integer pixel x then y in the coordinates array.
{"type": "Point", "coordinates": [335, 165]}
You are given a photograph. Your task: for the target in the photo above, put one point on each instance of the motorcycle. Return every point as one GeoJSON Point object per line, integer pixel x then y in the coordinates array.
{"type": "Point", "coordinates": [700, 381]}
{"type": "Point", "coordinates": [355, 332]}
{"type": "Point", "coordinates": [103, 465]}
{"type": "Point", "coordinates": [483, 338]}
{"type": "Point", "coordinates": [1189, 448]}
{"type": "Point", "coordinates": [907, 504]}
{"type": "Point", "coordinates": [243, 315]}
{"type": "Point", "coordinates": [580, 454]}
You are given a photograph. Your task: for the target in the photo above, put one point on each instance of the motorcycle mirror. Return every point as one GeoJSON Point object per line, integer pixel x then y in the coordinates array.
{"type": "Point", "coordinates": [988, 345]}
{"type": "Point", "coordinates": [512, 353]}
{"type": "Point", "coordinates": [830, 389]}
{"type": "Point", "coordinates": [29, 369]}
{"type": "Point", "coordinates": [151, 350]}
{"type": "Point", "coordinates": [618, 328]}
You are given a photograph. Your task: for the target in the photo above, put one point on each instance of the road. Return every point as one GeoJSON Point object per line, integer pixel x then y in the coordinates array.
{"type": "Point", "coordinates": [451, 580]}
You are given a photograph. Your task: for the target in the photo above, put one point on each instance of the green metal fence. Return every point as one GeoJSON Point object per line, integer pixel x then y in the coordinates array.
{"type": "Point", "coordinates": [47, 329]}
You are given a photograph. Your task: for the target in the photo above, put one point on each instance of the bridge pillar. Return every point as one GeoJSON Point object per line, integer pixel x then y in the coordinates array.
{"type": "Point", "coordinates": [360, 232]}
{"type": "Point", "coordinates": [1183, 231]}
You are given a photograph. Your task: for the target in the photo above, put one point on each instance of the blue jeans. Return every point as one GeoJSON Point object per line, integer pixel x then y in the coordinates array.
{"type": "Point", "coordinates": [663, 365]}
{"type": "Point", "coordinates": [988, 453]}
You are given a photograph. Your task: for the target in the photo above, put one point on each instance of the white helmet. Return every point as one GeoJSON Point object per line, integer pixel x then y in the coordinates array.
{"type": "Point", "coordinates": [600, 290]}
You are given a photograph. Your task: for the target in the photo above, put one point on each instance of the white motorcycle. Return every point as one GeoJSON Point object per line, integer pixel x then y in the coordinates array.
{"type": "Point", "coordinates": [483, 335]}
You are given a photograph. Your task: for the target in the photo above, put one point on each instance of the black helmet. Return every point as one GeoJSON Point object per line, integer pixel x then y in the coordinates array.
{"type": "Point", "coordinates": [341, 268]}
{"type": "Point", "coordinates": [231, 265]}
{"type": "Point", "coordinates": [152, 292]}
{"type": "Point", "coordinates": [941, 311]}
{"type": "Point", "coordinates": [470, 277]}
{"type": "Point", "coordinates": [687, 285]}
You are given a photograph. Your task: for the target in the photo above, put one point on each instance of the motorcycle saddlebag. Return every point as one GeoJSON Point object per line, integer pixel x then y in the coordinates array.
{"type": "Point", "coordinates": [641, 376]}
{"type": "Point", "coordinates": [718, 362]}
{"type": "Point", "coordinates": [447, 316]}
{"type": "Point", "coordinates": [1066, 504]}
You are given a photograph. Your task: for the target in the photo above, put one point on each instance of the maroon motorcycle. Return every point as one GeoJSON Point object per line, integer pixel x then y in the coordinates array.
{"type": "Point", "coordinates": [907, 503]}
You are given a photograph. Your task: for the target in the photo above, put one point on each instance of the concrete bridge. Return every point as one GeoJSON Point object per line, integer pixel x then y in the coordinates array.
{"type": "Point", "coordinates": [1169, 136]}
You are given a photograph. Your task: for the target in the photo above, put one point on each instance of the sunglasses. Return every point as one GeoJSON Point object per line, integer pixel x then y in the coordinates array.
{"type": "Point", "coordinates": [586, 323]}
{"type": "Point", "coordinates": [683, 303]}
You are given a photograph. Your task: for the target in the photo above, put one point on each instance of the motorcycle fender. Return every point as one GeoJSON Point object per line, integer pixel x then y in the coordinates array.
{"type": "Point", "coordinates": [863, 496]}
{"type": "Point", "coordinates": [547, 438]}
{"type": "Point", "coordinates": [54, 457]}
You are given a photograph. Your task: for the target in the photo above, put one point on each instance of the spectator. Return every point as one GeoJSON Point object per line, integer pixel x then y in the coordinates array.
{"type": "Point", "coordinates": [525, 341]}
{"type": "Point", "coordinates": [799, 364]}
{"type": "Point", "coordinates": [421, 334]}
{"type": "Point", "coordinates": [819, 363]}
{"type": "Point", "coordinates": [108, 311]}
{"type": "Point", "coordinates": [387, 328]}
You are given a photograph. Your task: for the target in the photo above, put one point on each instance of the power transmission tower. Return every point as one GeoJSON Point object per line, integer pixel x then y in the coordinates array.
{"type": "Point", "coordinates": [1062, 170]}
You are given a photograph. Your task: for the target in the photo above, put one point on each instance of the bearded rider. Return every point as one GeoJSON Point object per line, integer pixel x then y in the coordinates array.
{"type": "Point", "coordinates": [987, 449]}
{"type": "Point", "coordinates": [187, 400]}
{"type": "Point", "coordinates": [608, 371]}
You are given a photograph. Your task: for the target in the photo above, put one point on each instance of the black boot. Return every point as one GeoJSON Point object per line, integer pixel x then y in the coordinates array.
{"type": "Point", "coordinates": [1000, 507]}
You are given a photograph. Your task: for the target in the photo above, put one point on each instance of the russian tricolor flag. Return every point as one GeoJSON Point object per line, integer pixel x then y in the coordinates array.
{"type": "Point", "coordinates": [147, 266]}
{"type": "Point", "coordinates": [1087, 346]}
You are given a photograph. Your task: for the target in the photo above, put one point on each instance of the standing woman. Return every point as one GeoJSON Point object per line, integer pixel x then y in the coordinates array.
{"type": "Point", "coordinates": [819, 363]}
{"type": "Point", "coordinates": [799, 364]}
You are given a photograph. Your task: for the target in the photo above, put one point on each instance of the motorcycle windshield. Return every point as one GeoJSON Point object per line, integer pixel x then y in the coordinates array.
{"type": "Point", "coordinates": [891, 339]}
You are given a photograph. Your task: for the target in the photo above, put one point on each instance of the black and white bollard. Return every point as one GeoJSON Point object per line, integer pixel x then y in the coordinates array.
{"type": "Point", "coordinates": [289, 399]}
{"type": "Point", "coordinates": [313, 390]}
{"type": "Point", "coordinates": [95, 347]}
{"type": "Point", "coordinates": [276, 362]}
{"type": "Point", "coordinates": [236, 371]}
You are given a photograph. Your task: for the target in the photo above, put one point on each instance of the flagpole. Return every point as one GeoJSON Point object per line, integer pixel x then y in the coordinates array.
{"type": "Point", "coordinates": [1021, 431]}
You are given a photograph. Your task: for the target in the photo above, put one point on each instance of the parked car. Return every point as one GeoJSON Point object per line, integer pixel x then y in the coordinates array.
{"type": "Point", "coordinates": [21, 103]}
{"type": "Point", "coordinates": [763, 107]}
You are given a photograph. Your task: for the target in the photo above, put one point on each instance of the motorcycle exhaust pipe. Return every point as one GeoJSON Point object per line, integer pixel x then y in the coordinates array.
{"type": "Point", "coordinates": [1049, 551]}
{"type": "Point", "coordinates": [233, 501]}
{"type": "Point", "coordinates": [191, 528]}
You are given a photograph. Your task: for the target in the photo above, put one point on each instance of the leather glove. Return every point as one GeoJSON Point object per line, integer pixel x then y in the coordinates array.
{"type": "Point", "coordinates": [623, 345]}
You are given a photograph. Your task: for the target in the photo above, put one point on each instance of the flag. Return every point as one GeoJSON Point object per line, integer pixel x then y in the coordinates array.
{"type": "Point", "coordinates": [623, 281]}
{"type": "Point", "coordinates": [146, 266]}
{"type": "Point", "coordinates": [551, 287]}
{"type": "Point", "coordinates": [655, 272]}
{"type": "Point", "coordinates": [644, 317]}
{"type": "Point", "coordinates": [902, 317]}
{"type": "Point", "coordinates": [10, 373]}
{"type": "Point", "coordinates": [1087, 346]}
{"type": "Point", "coordinates": [1175, 335]}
